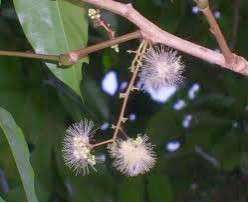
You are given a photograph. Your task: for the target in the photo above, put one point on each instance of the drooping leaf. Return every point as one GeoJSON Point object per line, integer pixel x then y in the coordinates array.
{"type": "Point", "coordinates": [54, 27]}
{"type": "Point", "coordinates": [20, 152]}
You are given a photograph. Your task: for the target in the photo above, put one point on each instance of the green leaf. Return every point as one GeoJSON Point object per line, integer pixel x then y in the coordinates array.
{"type": "Point", "coordinates": [55, 27]}
{"type": "Point", "coordinates": [1, 199]}
{"type": "Point", "coordinates": [131, 189]}
{"type": "Point", "coordinates": [159, 188]}
{"type": "Point", "coordinates": [91, 92]}
{"type": "Point", "coordinates": [168, 19]}
{"type": "Point", "coordinates": [16, 194]}
{"type": "Point", "coordinates": [102, 186]}
{"type": "Point", "coordinates": [20, 152]}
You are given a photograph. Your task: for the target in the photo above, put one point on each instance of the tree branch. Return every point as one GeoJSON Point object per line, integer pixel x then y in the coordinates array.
{"type": "Point", "coordinates": [102, 143]}
{"type": "Point", "coordinates": [54, 58]}
{"type": "Point", "coordinates": [155, 34]}
{"type": "Point", "coordinates": [73, 57]}
{"type": "Point", "coordinates": [216, 31]}
{"type": "Point", "coordinates": [236, 21]}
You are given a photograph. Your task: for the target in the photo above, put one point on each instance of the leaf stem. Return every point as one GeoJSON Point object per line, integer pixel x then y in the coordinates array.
{"type": "Point", "coordinates": [30, 55]}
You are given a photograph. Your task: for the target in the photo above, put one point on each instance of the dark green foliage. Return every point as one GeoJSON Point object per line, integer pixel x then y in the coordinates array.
{"type": "Point", "coordinates": [211, 164]}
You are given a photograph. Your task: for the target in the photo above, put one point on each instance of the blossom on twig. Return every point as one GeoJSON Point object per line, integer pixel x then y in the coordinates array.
{"type": "Point", "coordinates": [161, 67]}
{"type": "Point", "coordinates": [133, 157]}
{"type": "Point", "coordinates": [76, 147]}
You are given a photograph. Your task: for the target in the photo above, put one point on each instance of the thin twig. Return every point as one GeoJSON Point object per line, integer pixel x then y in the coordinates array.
{"type": "Point", "coordinates": [54, 58]}
{"type": "Point", "coordinates": [236, 21]}
{"type": "Point", "coordinates": [73, 57]}
{"type": "Point", "coordinates": [216, 31]}
{"type": "Point", "coordinates": [96, 17]}
{"type": "Point", "coordinates": [108, 29]}
{"type": "Point", "coordinates": [123, 133]}
{"type": "Point", "coordinates": [108, 141]}
{"type": "Point", "coordinates": [102, 143]}
{"type": "Point", "coordinates": [155, 34]}
{"type": "Point", "coordinates": [136, 63]}
{"type": "Point", "coordinates": [121, 130]}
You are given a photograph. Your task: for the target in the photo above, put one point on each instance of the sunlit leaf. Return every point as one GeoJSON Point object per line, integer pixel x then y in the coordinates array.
{"type": "Point", "coordinates": [54, 27]}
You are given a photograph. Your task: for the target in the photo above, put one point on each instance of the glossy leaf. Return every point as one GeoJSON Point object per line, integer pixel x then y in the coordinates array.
{"type": "Point", "coordinates": [20, 152]}
{"type": "Point", "coordinates": [54, 27]}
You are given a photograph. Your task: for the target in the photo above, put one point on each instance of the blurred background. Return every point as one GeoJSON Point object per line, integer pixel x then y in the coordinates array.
{"type": "Point", "coordinates": [199, 128]}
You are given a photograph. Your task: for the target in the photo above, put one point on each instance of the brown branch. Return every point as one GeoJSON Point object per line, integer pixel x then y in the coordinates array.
{"type": "Point", "coordinates": [123, 133]}
{"type": "Point", "coordinates": [54, 58]}
{"type": "Point", "coordinates": [236, 21]}
{"type": "Point", "coordinates": [92, 146]}
{"type": "Point", "coordinates": [216, 31]}
{"type": "Point", "coordinates": [74, 56]}
{"type": "Point", "coordinates": [102, 143]}
{"type": "Point", "coordinates": [136, 63]}
{"type": "Point", "coordinates": [155, 34]}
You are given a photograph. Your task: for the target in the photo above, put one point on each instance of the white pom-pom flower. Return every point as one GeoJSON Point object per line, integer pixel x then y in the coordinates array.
{"type": "Point", "coordinates": [133, 157]}
{"type": "Point", "coordinates": [76, 147]}
{"type": "Point", "coordinates": [161, 67]}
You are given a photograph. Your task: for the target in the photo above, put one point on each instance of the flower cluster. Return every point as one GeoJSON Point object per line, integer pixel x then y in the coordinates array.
{"type": "Point", "coordinates": [161, 67]}
{"type": "Point", "coordinates": [94, 14]}
{"type": "Point", "coordinates": [77, 149]}
{"type": "Point", "coordinates": [133, 157]}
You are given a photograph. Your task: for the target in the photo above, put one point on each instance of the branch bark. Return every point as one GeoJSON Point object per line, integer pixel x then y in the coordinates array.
{"type": "Point", "coordinates": [155, 34]}
{"type": "Point", "coordinates": [216, 31]}
{"type": "Point", "coordinates": [74, 56]}
{"type": "Point", "coordinates": [236, 21]}
{"type": "Point", "coordinates": [54, 58]}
